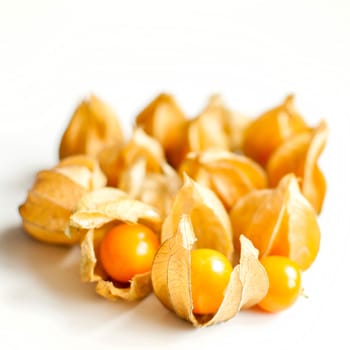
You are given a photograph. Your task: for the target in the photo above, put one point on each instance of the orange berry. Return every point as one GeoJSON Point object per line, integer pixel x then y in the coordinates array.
{"type": "Point", "coordinates": [127, 250]}
{"type": "Point", "coordinates": [210, 274]}
{"type": "Point", "coordinates": [284, 283]}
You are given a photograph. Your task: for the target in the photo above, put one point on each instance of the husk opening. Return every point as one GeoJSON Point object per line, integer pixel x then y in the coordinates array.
{"type": "Point", "coordinates": [97, 212]}
{"type": "Point", "coordinates": [171, 278]}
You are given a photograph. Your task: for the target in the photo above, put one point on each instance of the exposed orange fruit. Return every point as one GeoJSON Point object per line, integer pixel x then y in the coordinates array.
{"type": "Point", "coordinates": [278, 221]}
{"type": "Point", "coordinates": [210, 274]}
{"type": "Point", "coordinates": [299, 155]}
{"type": "Point", "coordinates": [164, 120]}
{"type": "Point", "coordinates": [127, 250]}
{"type": "Point", "coordinates": [229, 175]}
{"type": "Point", "coordinates": [285, 283]}
{"type": "Point", "coordinates": [271, 129]}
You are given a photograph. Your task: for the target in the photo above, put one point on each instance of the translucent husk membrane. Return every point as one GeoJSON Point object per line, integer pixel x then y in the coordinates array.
{"type": "Point", "coordinates": [96, 214]}
{"type": "Point", "coordinates": [54, 196]}
{"type": "Point", "coordinates": [171, 278]}
{"type": "Point", "coordinates": [199, 220]}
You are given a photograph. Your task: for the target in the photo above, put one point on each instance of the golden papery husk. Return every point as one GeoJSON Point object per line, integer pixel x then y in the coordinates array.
{"type": "Point", "coordinates": [171, 278]}
{"type": "Point", "coordinates": [93, 126]}
{"type": "Point", "coordinates": [108, 159]}
{"type": "Point", "coordinates": [208, 130]}
{"type": "Point", "coordinates": [54, 196]}
{"type": "Point", "coordinates": [228, 174]}
{"type": "Point", "coordinates": [142, 146]}
{"type": "Point", "coordinates": [207, 214]}
{"type": "Point", "coordinates": [279, 221]}
{"type": "Point", "coordinates": [156, 189]}
{"type": "Point", "coordinates": [214, 128]}
{"type": "Point", "coordinates": [145, 174]}
{"type": "Point", "coordinates": [75, 168]}
{"type": "Point", "coordinates": [270, 129]}
{"type": "Point", "coordinates": [97, 212]}
{"type": "Point", "coordinates": [299, 155]}
{"type": "Point", "coordinates": [164, 120]}
{"type": "Point", "coordinates": [234, 122]}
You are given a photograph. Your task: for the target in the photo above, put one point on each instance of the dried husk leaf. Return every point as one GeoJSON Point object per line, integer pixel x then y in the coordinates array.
{"type": "Point", "coordinates": [269, 130]}
{"type": "Point", "coordinates": [93, 126]}
{"type": "Point", "coordinates": [208, 130]}
{"type": "Point", "coordinates": [142, 146]}
{"type": "Point", "coordinates": [207, 214]}
{"type": "Point", "coordinates": [54, 196]}
{"type": "Point", "coordinates": [235, 122]}
{"type": "Point", "coordinates": [279, 221]}
{"type": "Point", "coordinates": [156, 189]}
{"type": "Point", "coordinates": [171, 278]}
{"type": "Point", "coordinates": [107, 204]}
{"type": "Point", "coordinates": [299, 155]}
{"type": "Point", "coordinates": [229, 175]}
{"type": "Point", "coordinates": [164, 120]}
{"type": "Point", "coordinates": [145, 174]}
{"type": "Point", "coordinates": [84, 170]}
{"type": "Point", "coordinates": [132, 178]}
{"type": "Point", "coordinates": [108, 159]}
{"type": "Point", "coordinates": [97, 212]}
{"type": "Point", "coordinates": [96, 200]}
{"type": "Point", "coordinates": [46, 221]}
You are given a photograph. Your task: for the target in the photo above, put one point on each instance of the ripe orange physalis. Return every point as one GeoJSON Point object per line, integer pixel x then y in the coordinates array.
{"type": "Point", "coordinates": [284, 283]}
{"type": "Point", "coordinates": [210, 274]}
{"type": "Point", "coordinates": [127, 250]}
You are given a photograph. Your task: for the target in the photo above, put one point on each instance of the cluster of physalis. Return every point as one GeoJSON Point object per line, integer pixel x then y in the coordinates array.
{"type": "Point", "coordinates": [212, 214]}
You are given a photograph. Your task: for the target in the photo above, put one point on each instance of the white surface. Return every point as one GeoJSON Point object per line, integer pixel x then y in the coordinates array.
{"type": "Point", "coordinates": [53, 53]}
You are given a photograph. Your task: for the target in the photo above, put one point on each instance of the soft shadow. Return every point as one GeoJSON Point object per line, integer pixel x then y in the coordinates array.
{"type": "Point", "coordinates": [53, 266]}
{"type": "Point", "coordinates": [255, 316]}
{"type": "Point", "coordinates": [152, 312]}
{"type": "Point", "coordinates": [149, 326]}
{"type": "Point", "coordinates": [53, 271]}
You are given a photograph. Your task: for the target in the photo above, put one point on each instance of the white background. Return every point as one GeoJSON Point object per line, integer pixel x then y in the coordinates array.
{"type": "Point", "coordinates": [54, 53]}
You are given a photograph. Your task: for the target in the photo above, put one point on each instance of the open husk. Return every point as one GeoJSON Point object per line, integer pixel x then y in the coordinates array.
{"type": "Point", "coordinates": [97, 212]}
{"type": "Point", "coordinates": [171, 277]}
{"type": "Point", "coordinates": [145, 174]}
{"type": "Point", "coordinates": [207, 214]}
{"type": "Point", "coordinates": [229, 175]}
{"type": "Point", "coordinates": [279, 221]}
{"type": "Point", "coordinates": [299, 155]}
{"type": "Point", "coordinates": [93, 126]}
{"type": "Point", "coordinates": [54, 196]}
